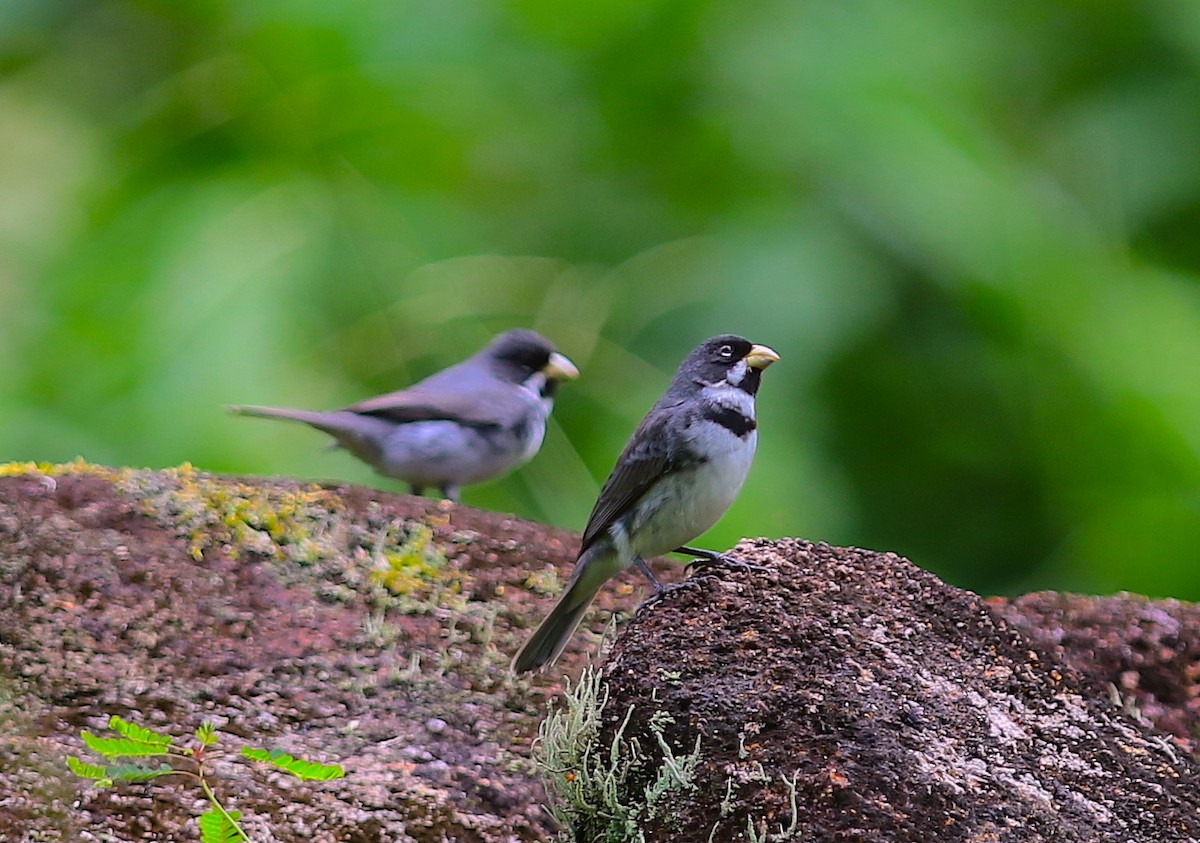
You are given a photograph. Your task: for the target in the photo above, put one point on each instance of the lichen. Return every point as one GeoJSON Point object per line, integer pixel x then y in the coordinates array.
{"type": "Point", "coordinates": [79, 466]}
{"type": "Point", "coordinates": [589, 779]}
{"type": "Point", "coordinates": [395, 564]}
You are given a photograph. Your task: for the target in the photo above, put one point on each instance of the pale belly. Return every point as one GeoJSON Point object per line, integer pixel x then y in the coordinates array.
{"type": "Point", "coordinates": [436, 452]}
{"type": "Point", "coordinates": [684, 505]}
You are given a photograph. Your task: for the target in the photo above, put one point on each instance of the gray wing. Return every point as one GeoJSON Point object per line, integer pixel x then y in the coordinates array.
{"type": "Point", "coordinates": [491, 405]}
{"type": "Point", "coordinates": [654, 450]}
{"type": "Point", "coordinates": [465, 393]}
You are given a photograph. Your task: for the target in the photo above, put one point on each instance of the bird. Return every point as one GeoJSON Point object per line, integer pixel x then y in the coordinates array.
{"type": "Point", "coordinates": [469, 423]}
{"type": "Point", "coordinates": [681, 469]}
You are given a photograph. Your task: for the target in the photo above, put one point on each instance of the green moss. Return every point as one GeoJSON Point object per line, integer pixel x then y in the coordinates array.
{"type": "Point", "coordinates": [544, 582]}
{"type": "Point", "coordinates": [289, 523]}
{"type": "Point", "coordinates": [411, 565]}
{"type": "Point", "coordinates": [48, 469]}
{"type": "Point", "coordinates": [391, 564]}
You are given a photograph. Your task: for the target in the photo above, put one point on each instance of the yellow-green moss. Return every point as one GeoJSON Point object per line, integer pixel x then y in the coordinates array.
{"type": "Point", "coordinates": [296, 523]}
{"type": "Point", "coordinates": [544, 581]}
{"type": "Point", "coordinates": [392, 563]}
{"type": "Point", "coordinates": [49, 469]}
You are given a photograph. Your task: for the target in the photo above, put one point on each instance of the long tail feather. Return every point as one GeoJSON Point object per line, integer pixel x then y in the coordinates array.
{"type": "Point", "coordinates": [312, 417]}
{"type": "Point", "coordinates": [548, 641]}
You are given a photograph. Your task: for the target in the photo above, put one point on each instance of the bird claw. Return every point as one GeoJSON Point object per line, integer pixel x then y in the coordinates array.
{"type": "Point", "coordinates": [654, 598]}
{"type": "Point", "coordinates": [726, 561]}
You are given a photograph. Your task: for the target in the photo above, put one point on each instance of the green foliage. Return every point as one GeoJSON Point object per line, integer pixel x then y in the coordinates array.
{"type": "Point", "coordinates": [206, 734]}
{"type": "Point", "coordinates": [217, 825]}
{"type": "Point", "coordinates": [298, 767]}
{"type": "Point", "coordinates": [220, 827]}
{"type": "Point", "coordinates": [135, 740]}
{"type": "Point", "coordinates": [968, 227]}
{"type": "Point", "coordinates": [590, 781]}
{"type": "Point", "coordinates": [113, 747]}
{"type": "Point", "coordinates": [140, 734]}
{"type": "Point", "coordinates": [94, 772]}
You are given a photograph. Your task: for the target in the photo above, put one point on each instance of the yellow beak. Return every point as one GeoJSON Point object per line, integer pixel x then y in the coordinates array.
{"type": "Point", "coordinates": [560, 368]}
{"type": "Point", "coordinates": [760, 357]}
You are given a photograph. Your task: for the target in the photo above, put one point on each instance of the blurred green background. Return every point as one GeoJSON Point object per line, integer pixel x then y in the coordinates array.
{"type": "Point", "coordinates": [972, 229]}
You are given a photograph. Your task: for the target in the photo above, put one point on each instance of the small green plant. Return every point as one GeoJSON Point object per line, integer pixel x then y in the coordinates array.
{"type": "Point", "coordinates": [139, 748]}
{"type": "Point", "coordinates": [588, 781]}
{"type": "Point", "coordinates": [759, 833]}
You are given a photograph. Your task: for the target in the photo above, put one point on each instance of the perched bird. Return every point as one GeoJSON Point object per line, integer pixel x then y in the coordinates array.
{"type": "Point", "coordinates": [679, 472]}
{"type": "Point", "coordinates": [472, 422]}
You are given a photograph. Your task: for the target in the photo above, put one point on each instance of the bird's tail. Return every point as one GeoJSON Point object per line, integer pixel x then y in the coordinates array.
{"type": "Point", "coordinates": [346, 427]}
{"type": "Point", "coordinates": [548, 641]}
{"type": "Point", "coordinates": [361, 435]}
{"type": "Point", "coordinates": [316, 419]}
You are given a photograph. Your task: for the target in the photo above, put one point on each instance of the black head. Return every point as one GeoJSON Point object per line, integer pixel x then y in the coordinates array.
{"type": "Point", "coordinates": [728, 358]}
{"type": "Point", "coordinates": [515, 356]}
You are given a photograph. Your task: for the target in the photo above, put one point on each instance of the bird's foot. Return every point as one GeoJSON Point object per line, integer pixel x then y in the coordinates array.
{"type": "Point", "coordinates": [662, 592]}
{"type": "Point", "coordinates": [708, 559]}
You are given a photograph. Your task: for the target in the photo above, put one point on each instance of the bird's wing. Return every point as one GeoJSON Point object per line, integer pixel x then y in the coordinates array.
{"type": "Point", "coordinates": [652, 452]}
{"type": "Point", "coordinates": [486, 405]}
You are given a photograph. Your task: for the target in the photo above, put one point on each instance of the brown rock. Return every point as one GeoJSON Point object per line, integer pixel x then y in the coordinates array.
{"type": "Point", "coordinates": [897, 707]}
{"type": "Point", "coordinates": [840, 695]}
{"type": "Point", "coordinates": [1145, 653]}
{"type": "Point", "coordinates": [340, 624]}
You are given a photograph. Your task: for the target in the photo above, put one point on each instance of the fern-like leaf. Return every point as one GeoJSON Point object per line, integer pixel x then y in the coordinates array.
{"type": "Point", "coordinates": [114, 747]}
{"type": "Point", "coordinates": [134, 732]}
{"type": "Point", "coordinates": [92, 772]}
{"type": "Point", "coordinates": [298, 767]}
{"type": "Point", "coordinates": [216, 827]}
{"type": "Point", "coordinates": [135, 740]}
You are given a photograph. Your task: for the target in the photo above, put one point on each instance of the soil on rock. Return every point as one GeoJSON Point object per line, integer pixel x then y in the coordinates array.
{"type": "Point", "coordinates": [846, 695]}
{"type": "Point", "coordinates": [106, 610]}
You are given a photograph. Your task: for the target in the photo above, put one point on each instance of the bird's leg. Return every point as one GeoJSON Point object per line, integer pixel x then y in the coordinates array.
{"type": "Point", "coordinates": [660, 590]}
{"type": "Point", "coordinates": [645, 569]}
{"type": "Point", "coordinates": [704, 558]}
{"type": "Point", "coordinates": [450, 492]}
{"type": "Point", "coordinates": [416, 490]}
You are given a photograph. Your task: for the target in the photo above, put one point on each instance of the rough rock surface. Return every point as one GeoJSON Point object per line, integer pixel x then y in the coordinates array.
{"type": "Point", "coordinates": [374, 630]}
{"type": "Point", "coordinates": [293, 616]}
{"type": "Point", "coordinates": [1145, 653]}
{"type": "Point", "coordinates": [897, 707]}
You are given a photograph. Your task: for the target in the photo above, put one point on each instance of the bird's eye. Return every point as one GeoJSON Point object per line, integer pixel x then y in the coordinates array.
{"type": "Point", "coordinates": [725, 351]}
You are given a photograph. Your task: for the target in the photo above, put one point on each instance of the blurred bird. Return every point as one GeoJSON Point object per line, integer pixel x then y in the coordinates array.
{"type": "Point", "coordinates": [679, 472]}
{"type": "Point", "coordinates": [472, 422]}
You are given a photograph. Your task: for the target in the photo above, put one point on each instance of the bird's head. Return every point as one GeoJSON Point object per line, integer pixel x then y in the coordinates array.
{"type": "Point", "coordinates": [728, 358]}
{"type": "Point", "coordinates": [519, 355]}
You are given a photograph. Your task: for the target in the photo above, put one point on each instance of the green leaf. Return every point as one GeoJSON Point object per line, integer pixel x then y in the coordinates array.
{"type": "Point", "coordinates": [216, 827]}
{"type": "Point", "coordinates": [94, 772]}
{"type": "Point", "coordinates": [138, 733]}
{"type": "Point", "coordinates": [113, 747]}
{"type": "Point", "coordinates": [206, 734]}
{"type": "Point", "coordinates": [298, 767]}
{"type": "Point", "coordinates": [104, 776]}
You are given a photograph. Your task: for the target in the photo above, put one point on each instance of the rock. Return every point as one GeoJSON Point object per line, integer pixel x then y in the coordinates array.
{"type": "Point", "coordinates": [1144, 653]}
{"type": "Point", "coordinates": [847, 695]}
{"type": "Point", "coordinates": [840, 695]}
{"type": "Point", "coordinates": [343, 625]}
